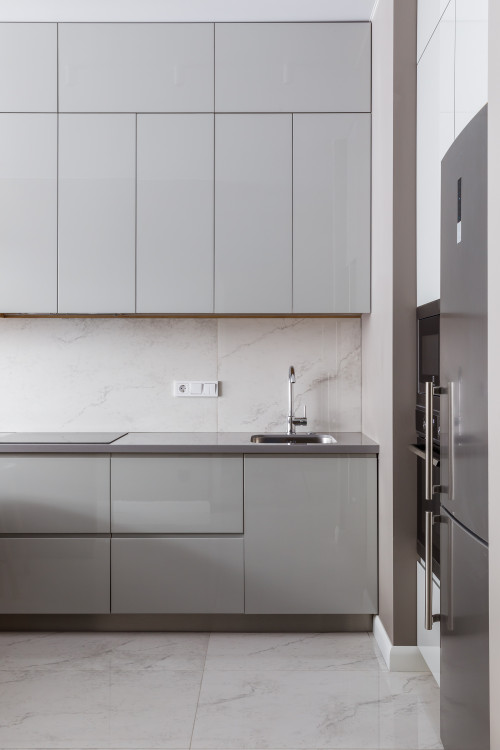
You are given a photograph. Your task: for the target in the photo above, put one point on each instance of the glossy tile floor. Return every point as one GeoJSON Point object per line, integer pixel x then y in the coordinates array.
{"type": "Point", "coordinates": [223, 691]}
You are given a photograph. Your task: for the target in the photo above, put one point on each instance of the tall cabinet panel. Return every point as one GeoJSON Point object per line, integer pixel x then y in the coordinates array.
{"type": "Point", "coordinates": [435, 134]}
{"type": "Point", "coordinates": [471, 61]}
{"type": "Point", "coordinates": [28, 224]}
{"type": "Point", "coordinates": [28, 67]}
{"type": "Point", "coordinates": [292, 67]}
{"type": "Point", "coordinates": [253, 213]}
{"type": "Point", "coordinates": [175, 213]}
{"type": "Point", "coordinates": [96, 213]}
{"type": "Point", "coordinates": [331, 213]}
{"type": "Point", "coordinates": [136, 67]}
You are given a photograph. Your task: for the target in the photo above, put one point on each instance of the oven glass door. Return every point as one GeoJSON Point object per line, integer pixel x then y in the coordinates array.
{"type": "Point", "coordinates": [428, 352]}
{"type": "Point", "coordinates": [424, 505]}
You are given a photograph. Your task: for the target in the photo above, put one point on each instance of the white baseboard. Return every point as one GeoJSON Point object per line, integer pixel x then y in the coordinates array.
{"type": "Point", "coordinates": [397, 658]}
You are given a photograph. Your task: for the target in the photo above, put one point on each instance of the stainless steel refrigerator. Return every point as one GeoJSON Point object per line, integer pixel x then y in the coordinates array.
{"type": "Point", "coordinates": [464, 442]}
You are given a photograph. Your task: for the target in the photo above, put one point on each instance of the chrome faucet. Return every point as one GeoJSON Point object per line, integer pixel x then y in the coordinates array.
{"type": "Point", "coordinates": [291, 419]}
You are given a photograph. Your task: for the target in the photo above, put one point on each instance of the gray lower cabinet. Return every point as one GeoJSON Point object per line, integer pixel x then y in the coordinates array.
{"type": "Point", "coordinates": [54, 494]}
{"type": "Point", "coordinates": [183, 574]}
{"type": "Point", "coordinates": [54, 507]}
{"type": "Point", "coordinates": [59, 575]}
{"type": "Point", "coordinates": [177, 494]}
{"type": "Point", "coordinates": [310, 534]}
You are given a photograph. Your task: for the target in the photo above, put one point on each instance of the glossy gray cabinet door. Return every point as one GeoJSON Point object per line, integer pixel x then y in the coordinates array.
{"type": "Point", "coordinates": [292, 67]}
{"type": "Point", "coordinates": [28, 224]}
{"type": "Point", "coordinates": [96, 213]}
{"type": "Point", "coordinates": [28, 67]}
{"type": "Point", "coordinates": [176, 494]}
{"type": "Point", "coordinates": [175, 213]}
{"type": "Point", "coordinates": [177, 575]}
{"type": "Point", "coordinates": [310, 535]}
{"type": "Point", "coordinates": [253, 213]}
{"type": "Point", "coordinates": [136, 67]}
{"type": "Point", "coordinates": [50, 494]}
{"type": "Point", "coordinates": [331, 213]}
{"type": "Point", "coordinates": [54, 576]}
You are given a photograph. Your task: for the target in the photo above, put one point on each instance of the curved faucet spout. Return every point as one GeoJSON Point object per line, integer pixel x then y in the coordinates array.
{"type": "Point", "coordinates": [291, 420]}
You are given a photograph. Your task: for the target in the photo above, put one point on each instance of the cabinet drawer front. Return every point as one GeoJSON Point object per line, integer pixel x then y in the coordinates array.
{"type": "Point", "coordinates": [136, 67]}
{"type": "Point", "coordinates": [177, 575]}
{"type": "Point", "coordinates": [292, 67]}
{"type": "Point", "coordinates": [28, 200]}
{"type": "Point", "coordinates": [331, 213]}
{"type": "Point", "coordinates": [177, 494]}
{"type": "Point", "coordinates": [54, 576]}
{"type": "Point", "coordinates": [28, 67]}
{"type": "Point", "coordinates": [310, 535]}
{"type": "Point", "coordinates": [54, 494]}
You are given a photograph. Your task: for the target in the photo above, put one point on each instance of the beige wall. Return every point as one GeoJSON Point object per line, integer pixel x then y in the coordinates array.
{"type": "Point", "coordinates": [494, 362]}
{"type": "Point", "coordinates": [388, 334]}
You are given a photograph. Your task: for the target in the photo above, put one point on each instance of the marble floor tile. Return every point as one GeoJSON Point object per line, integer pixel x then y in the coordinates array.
{"type": "Point", "coordinates": [293, 651]}
{"type": "Point", "coordinates": [97, 709]}
{"type": "Point", "coordinates": [59, 651]}
{"type": "Point", "coordinates": [304, 709]}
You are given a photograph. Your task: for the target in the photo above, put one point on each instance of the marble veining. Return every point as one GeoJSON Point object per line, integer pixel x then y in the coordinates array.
{"type": "Point", "coordinates": [261, 691]}
{"type": "Point", "coordinates": [99, 374]}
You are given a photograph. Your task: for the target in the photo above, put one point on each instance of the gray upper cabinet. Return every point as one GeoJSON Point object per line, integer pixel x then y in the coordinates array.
{"type": "Point", "coordinates": [310, 535]}
{"type": "Point", "coordinates": [177, 494]}
{"type": "Point", "coordinates": [136, 67]}
{"type": "Point", "coordinates": [175, 213]}
{"type": "Point", "coordinates": [28, 224]}
{"type": "Point", "coordinates": [331, 213]}
{"type": "Point", "coordinates": [50, 494]}
{"type": "Point", "coordinates": [253, 213]}
{"type": "Point", "coordinates": [292, 67]}
{"type": "Point", "coordinates": [97, 213]}
{"type": "Point", "coordinates": [28, 67]}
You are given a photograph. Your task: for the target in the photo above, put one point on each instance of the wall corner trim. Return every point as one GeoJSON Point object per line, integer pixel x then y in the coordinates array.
{"type": "Point", "coordinates": [397, 658]}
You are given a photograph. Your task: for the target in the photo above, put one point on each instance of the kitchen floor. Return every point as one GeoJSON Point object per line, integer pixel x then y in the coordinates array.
{"type": "Point", "coordinates": [222, 691]}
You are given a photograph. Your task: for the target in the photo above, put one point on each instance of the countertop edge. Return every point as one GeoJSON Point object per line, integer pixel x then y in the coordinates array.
{"type": "Point", "coordinates": [215, 444]}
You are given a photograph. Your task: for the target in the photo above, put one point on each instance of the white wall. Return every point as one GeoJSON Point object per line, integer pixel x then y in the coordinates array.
{"type": "Point", "coordinates": [494, 365]}
{"type": "Point", "coordinates": [118, 373]}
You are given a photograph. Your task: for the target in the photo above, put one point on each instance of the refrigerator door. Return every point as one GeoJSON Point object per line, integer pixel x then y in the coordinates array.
{"type": "Point", "coordinates": [464, 639]}
{"type": "Point", "coordinates": [463, 355]}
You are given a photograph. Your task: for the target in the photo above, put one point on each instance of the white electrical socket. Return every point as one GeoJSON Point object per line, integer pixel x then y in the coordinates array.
{"type": "Point", "coordinates": [196, 388]}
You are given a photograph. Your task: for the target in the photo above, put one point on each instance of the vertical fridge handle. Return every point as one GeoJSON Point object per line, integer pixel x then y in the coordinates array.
{"type": "Point", "coordinates": [451, 442]}
{"type": "Point", "coordinates": [428, 439]}
{"type": "Point", "coordinates": [428, 569]}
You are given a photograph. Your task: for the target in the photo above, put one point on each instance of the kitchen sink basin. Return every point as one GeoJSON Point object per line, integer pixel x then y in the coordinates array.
{"type": "Point", "coordinates": [299, 438]}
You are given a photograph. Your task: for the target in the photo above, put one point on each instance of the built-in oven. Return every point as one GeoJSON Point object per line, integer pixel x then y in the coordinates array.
{"type": "Point", "coordinates": [427, 372]}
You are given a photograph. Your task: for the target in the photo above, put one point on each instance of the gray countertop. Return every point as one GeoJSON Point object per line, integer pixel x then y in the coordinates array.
{"type": "Point", "coordinates": [186, 442]}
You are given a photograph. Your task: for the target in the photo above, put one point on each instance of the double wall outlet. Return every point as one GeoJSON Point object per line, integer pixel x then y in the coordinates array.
{"type": "Point", "coordinates": [196, 388]}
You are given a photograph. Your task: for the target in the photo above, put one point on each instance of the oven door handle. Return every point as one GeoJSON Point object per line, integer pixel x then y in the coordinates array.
{"type": "Point", "coordinates": [418, 451]}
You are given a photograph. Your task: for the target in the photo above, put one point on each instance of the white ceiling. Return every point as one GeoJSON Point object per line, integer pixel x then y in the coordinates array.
{"type": "Point", "coordinates": [186, 10]}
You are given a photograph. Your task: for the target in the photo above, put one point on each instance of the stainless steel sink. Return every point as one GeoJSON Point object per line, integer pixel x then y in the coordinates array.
{"type": "Point", "coordinates": [298, 438]}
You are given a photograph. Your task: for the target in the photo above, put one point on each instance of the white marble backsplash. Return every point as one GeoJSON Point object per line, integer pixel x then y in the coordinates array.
{"type": "Point", "coordinates": [117, 374]}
